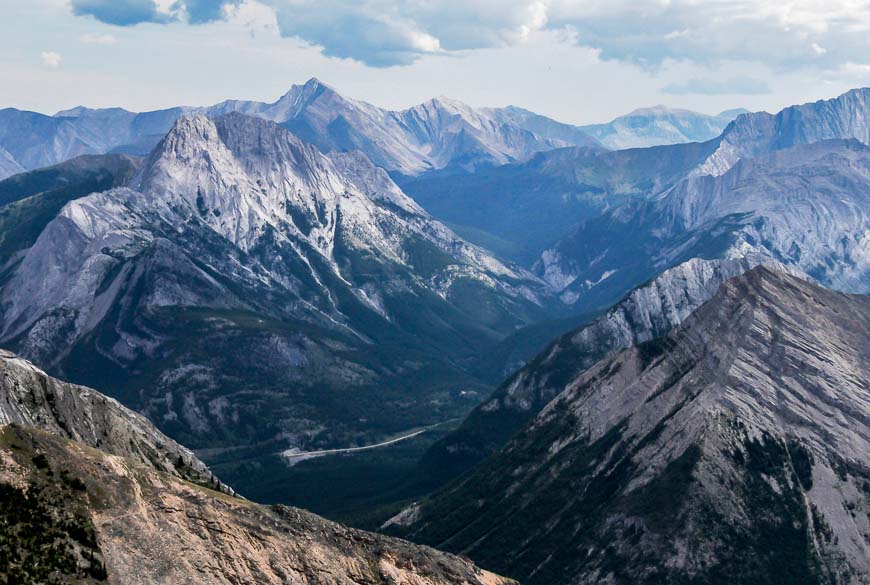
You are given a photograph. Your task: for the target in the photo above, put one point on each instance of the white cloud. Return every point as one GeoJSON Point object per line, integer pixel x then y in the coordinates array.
{"type": "Point", "coordinates": [50, 59]}
{"type": "Point", "coordinates": [782, 34]}
{"type": "Point", "coordinates": [425, 43]}
{"type": "Point", "coordinates": [97, 39]}
{"type": "Point", "coordinates": [855, 69]}
{"type": "Point", "coordinates": [537, 20]}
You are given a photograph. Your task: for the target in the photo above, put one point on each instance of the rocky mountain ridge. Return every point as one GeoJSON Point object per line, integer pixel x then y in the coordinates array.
{"type": "Point", "coordinates": [31, 398]}
{"type": "Point", "coordinates": [756, 134]}
{"type": "Point", "coordinates": [245, 180]}
{"type": "Point", "coordinates": [751, 417]}
{"type": "Point", "coordinates": [648, 312]}
{"type": "Point", "coordinates": [546, 209]}
{"type": "Point", "coordinates": [434, 135]}
{"type": "Point", "coordinates": [803, 206]}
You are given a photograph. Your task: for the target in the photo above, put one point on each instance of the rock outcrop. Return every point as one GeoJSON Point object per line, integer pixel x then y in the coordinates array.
{"type": "Point", "coordinates": [29, 397]}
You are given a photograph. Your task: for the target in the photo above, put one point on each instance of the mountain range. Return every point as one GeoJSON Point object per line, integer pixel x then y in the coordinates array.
{"type": "Point", "coordinates": [235, 247]}
{"type": "Point", "coordinates": [594, 343]}
{"type": "Point", "coordinates": [805, 206]}
{"type": "Point", "coordinates": [731, 450]}
{"type": "Point", "coordinates": [567, 211]}
{"type": "Point", "coordinates": [438, 134]}
{"type": "Point", "coordinates": [441, 134]}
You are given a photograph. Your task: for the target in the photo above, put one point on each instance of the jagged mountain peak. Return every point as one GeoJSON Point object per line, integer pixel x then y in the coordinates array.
{"type": "Point", "coordinates": [237, 171]}
{"type": "Point", "coordinates": [314, 83]}
{"type": "Point", "coordinates": [237, 213]}
{"type": "Point", "coordinates": [307, 92]}
{"type": "Point", "coordinates": [188, 133]}
{"type": "Point", "coordinates": [758, 133]}
{"type": "Point", "coordinates": [242, 132]}
{"type": "Point", "coordinates": [314, 94]}
{"type": "Point", "coordinates": [243, 175]}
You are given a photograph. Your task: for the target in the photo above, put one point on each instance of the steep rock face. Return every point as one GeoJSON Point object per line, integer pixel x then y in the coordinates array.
{"type": "Point", "coordinates": [234, 224]}
{"type": "Point", "coordinates": [733, 450]}
{"type": "Point", "coordinates": [93, 493]}
{"type": "Point", "coordinates": [805, 207]}
{"type": "Point", "coordinates": [660, 125]}
{"type": "Point", "coordinates": [648, 312]}
{"type": "Point", "coordinates": [29, 397]}
{"type": "Point", "coordinates": [249, 183]}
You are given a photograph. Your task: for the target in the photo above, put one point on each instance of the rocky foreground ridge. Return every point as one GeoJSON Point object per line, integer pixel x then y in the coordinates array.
{"type": "Point", "coordinates": [92, 492]}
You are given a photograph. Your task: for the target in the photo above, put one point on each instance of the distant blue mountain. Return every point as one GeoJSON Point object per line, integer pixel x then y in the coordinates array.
{"type": "Point", "coordinates": [660, 125]}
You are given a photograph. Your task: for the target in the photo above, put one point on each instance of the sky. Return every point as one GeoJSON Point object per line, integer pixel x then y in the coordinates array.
{"type": "Point", "coordinates": [579, 61]}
